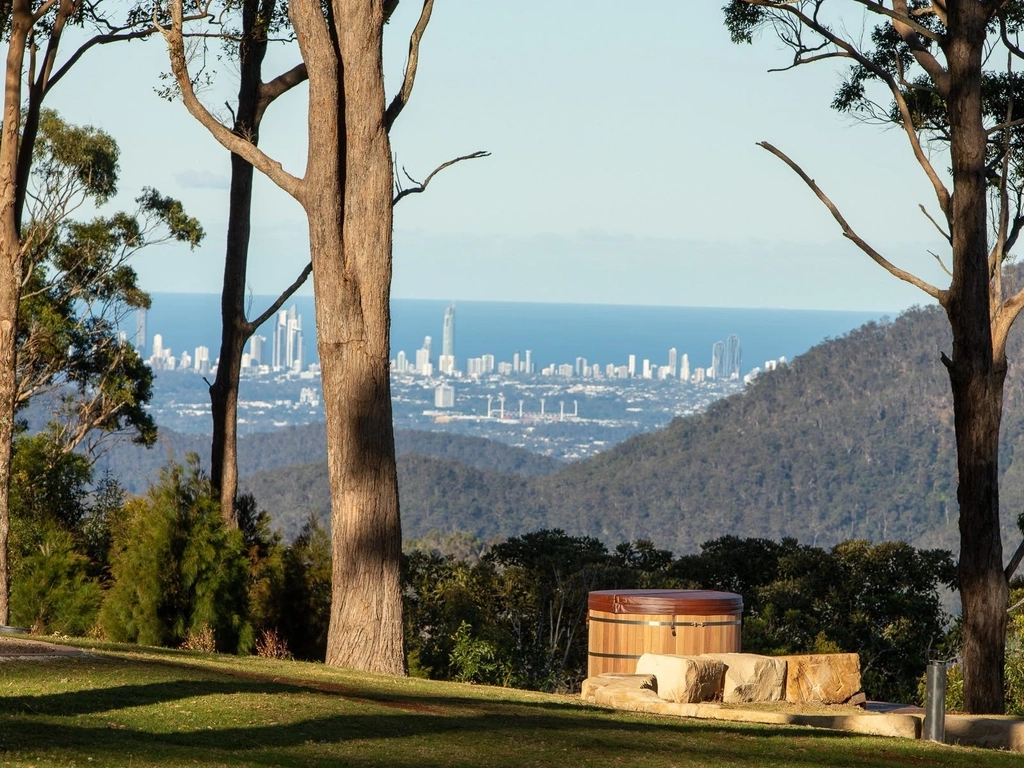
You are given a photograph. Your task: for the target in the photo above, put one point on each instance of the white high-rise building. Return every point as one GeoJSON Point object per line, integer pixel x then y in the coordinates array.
{"type": "Point", "coordinates": [632, 366]}
{"type": "Point", "coordinates": [733, 357]}
{"type": "Point", "coordinates": [288, 346]}
{"type": "Point", "coordinates": [201, 360]}
{"type": "Point", "coordinates": [684, 368]}
{"type": "Point", "coordinates": [444, 396]}
{"type": "Point", "coordinates": [717, 369]}
{"type": "Point", "coordinates": [673, 356]}
{"type": "Point", "coordinates": [448, 333]}
{"type": "Point", "coordinates": [256, 343]}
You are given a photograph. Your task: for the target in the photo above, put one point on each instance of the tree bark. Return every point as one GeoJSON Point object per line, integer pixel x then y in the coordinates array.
{"type": "Point", "coordinates": [976, 373]}
{"type": "Point", "coordinates": [235, 329]}
{"type": "Point", "coordinates": [10, 273]}
{"type": "Point", "coordinates": [347, 196]}
{"type": "Point", "coordinates": [349, 159]}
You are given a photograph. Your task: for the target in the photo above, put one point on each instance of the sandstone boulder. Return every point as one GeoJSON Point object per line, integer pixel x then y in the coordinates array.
{"type": "Point", "coordinates": [616, 682]}
{"type": "Point", "coordinates": [685, 679]}
{"type": "Point", "coordinates": [750, 677]}
{"type": "Point", "coordinates": [825, 678]}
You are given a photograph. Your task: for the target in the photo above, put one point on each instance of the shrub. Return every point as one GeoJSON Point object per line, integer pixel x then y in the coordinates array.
{"type": "Point", "coordinates": [306, 592]}
{"type": "Point", "coordinates": [177, 568]}
{"type": "Point", "coordinates": [52, 591]}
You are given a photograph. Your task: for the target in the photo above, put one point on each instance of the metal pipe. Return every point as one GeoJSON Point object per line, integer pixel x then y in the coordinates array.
{"type": "Point", "coordinates": [935, 702]}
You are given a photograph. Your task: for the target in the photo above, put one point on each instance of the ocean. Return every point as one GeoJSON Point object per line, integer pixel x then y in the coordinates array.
{"type": "Point", "coordinates": [555, 333]}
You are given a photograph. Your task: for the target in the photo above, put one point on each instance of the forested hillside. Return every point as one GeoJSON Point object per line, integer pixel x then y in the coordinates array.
{"type": "Point", "coordinates": [852, 439]}
{"type": "Point", "coordinates": [136, 467]}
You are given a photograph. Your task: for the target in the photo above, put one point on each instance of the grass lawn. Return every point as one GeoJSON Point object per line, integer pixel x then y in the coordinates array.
{"type": "Point", "coordinates": [148, 707]}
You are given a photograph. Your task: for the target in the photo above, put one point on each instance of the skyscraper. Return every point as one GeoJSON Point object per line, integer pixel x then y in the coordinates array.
{"type": "Point", "coordinates": [448, 335]}
{"type": "Point", "coordinates": [446, 360]}
{"type": "Point", "coordinates": [673, 356]}
{"type": "Point", "coordinates": [718, 360]}
{"type": "Point", "coordinates": [732, 357]}
{"type": "Point", "coordinates": [201, 360]}
{"type": "Point", "coordinates": [256, 349]}
{"type": "Point", "coordinates": [288, 346]}
{"type": "Point", "coordinates": [684, 368]}
{"type": "Point", "coordinates": [423, 366]}
{"type": "Point", "coordinates": [280, 340]}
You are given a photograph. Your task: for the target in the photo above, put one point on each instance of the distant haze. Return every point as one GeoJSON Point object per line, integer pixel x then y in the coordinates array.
{"type": "Point", "coordinates": [555, 333]}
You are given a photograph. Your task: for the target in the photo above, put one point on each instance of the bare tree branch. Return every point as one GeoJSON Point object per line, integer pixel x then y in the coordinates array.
{"type": "Point", "coordinates": [901, 16]}
{"type": "Point", "coordinates": [941, 263]}
{"type": "Point", "coordinates": [946, 236]}
{"type": "Point", "coordinates": [279, 86]}
{"type": "Point", "coordinates": [1014, 564]}
{"type": "Point", "coordinates": [279, 302]}
{"type": "Point", "coordinates": [421, 186]}
{"type": "Point", "coordinates": [906, 117]}
{"type": "Point", "coordinates": [848, 232]}
{"type": "Point", "coordinates": [402, 97]}
{"type": "Point", "coordinates": [224, 135]}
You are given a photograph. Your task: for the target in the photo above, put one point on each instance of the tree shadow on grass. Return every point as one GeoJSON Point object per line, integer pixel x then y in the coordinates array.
{"type": "Point", "coordinates": [394, 739]}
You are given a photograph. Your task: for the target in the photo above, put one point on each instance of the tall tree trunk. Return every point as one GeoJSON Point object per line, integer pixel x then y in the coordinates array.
{"type": "Point", "coordinates": [350, 160]}
{"type": "Point", "coordinates": [976, 374]}
{"type": "Point", "coordinates": [10, 274]}
{"type": "Point", "coordinates": [235, 329]}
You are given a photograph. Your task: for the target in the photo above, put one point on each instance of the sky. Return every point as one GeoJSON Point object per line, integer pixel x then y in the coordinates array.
{"type": "Point", "coordinates": [623, 169]}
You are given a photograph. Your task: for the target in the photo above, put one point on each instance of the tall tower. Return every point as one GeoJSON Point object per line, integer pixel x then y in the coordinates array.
{"type": "Point", "coordinates": [448, 335]}
{"type": "Point", "coordinates": [684, 368]}
{"type": "Point", "coordinates": [718, 360]}
{"type": "Point", "coordinates": [446, 361]}
{"type": "Point", "coordinates": [673, 357]}
{"type": "Point", "coordinates": [280, 341]}
{"type": "Point", "coordinates": [732, 357]}
{"type": "Point", "coordinates": [293, 358]}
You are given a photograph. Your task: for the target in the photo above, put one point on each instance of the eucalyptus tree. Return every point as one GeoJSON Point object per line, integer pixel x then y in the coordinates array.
{"type": "Point", "coordinates": [348, 194]}
{"type": "Point", "coordinates": [79, 286]}
{"type": "Point", "coordinates": [941, 72]}
{"type": "Point", "coordinates": [260, 19]}
{"type": "Point", "coordinates": [34, 31]}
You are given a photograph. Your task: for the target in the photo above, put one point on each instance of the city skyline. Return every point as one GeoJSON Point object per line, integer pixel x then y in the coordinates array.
{"type": "Point", "coordinates": [726, 364]}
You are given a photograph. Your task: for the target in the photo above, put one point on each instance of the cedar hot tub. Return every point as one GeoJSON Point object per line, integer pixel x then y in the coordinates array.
{"type": "Point", "coordinates": [624, 624]}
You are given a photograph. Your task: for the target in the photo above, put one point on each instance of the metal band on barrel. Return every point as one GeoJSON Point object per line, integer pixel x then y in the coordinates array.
{"type": "Point", "coordinates": [667, 623]}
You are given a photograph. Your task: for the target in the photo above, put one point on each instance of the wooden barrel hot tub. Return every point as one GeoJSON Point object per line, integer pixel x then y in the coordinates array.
{"type": "Point", "coordinates": [624, 624]}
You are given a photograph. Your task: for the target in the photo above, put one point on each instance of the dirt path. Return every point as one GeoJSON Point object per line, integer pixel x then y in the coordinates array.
{"type": "Point", "coordinates": [18, 647]}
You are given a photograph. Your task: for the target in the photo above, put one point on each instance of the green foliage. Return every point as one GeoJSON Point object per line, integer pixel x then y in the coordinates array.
{"type": "Point", "coordinates": [880, 601]}
{"type": "Point", "coordinates": [48, 489]}
{"type": "Point", "coordinates": [853, 439]}
{"type": "Point", "coordinates": [178, 569]}
{"type": "Point", "coordinates": [104, 517]}
{"type": "Point", "coordinates": [305, 602]}
{"type": "Point", "coordinates": [477, 661]}
{"type": "Point", "coordinates": [266, 566]}
{"type": "Point", "coordinates": [78, 286]}
{"type": "Point", "coordinates": [67, 156]}
{"type": "Point", "coordinates": [52, 590]}
{"type": "Point", "coordinates": [517, 616]}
